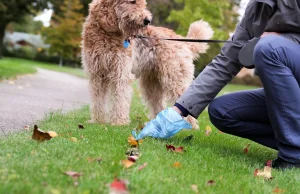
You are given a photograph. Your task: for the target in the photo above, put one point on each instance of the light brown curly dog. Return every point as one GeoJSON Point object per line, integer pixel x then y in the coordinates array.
{"type": "Point", "coordinates": [166, 68]}
{"type": "Point", "coordinates": [106, 61]}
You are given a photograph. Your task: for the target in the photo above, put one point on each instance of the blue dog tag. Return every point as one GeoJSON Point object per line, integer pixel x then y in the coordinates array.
{"type": "Point", "coordinates": [126, 43]}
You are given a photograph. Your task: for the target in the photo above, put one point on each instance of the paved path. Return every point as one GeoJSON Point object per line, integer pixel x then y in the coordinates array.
{"type": "Point", "coordinates": [29, 98]}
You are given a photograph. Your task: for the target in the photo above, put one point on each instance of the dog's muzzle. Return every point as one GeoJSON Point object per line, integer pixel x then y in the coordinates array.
{"type": "Point", "coordinates": [146, 21]}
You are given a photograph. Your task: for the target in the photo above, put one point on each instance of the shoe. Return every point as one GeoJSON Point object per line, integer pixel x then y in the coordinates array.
{"type": "Point", "coordinates": [281, 164]}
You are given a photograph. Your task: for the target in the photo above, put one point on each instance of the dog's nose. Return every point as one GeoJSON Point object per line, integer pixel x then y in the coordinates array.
{"type": "Point", "coordinates": [146, 21]}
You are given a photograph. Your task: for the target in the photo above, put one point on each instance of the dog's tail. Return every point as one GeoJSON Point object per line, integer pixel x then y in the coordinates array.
{"type": "Point", "coordinates": [199, 30]}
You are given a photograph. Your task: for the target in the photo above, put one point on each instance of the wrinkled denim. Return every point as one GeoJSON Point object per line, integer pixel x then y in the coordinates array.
{"type": "Point", "coordinates": [269, 116]}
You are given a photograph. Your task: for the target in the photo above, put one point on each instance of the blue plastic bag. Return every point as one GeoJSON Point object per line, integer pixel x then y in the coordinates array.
{"type": "Point", "coordinates": [166, 124]}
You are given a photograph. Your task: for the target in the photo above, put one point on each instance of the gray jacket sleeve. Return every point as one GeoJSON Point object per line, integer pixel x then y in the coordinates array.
{"type": "Point", "coordinates": [226, 65]}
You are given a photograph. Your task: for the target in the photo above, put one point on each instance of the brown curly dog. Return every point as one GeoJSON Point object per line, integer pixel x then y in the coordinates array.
{"type": "Point", "coordinates": [106, 61]}
{"type": "Point", "coordinates": [165, 68]}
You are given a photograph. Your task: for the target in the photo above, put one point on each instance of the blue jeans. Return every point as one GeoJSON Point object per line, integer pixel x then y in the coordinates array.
{"type": "Point", "coordinates": [268, 116]}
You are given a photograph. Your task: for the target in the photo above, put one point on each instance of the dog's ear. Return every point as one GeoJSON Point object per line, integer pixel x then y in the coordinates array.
{"type": "Point", "coordinates": [103, 13]}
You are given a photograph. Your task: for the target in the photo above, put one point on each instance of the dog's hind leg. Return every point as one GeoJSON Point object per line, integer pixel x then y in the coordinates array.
{"type": "Point", "coordinates": [98, 90]}
{"type": "Point", "coordinates": [153, 95]}
{"type": "Point", "coordinates": [176, 87]}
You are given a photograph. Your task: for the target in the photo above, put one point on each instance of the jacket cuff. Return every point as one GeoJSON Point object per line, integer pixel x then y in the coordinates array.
{"type": "Point", "coordinates": [184, 111]}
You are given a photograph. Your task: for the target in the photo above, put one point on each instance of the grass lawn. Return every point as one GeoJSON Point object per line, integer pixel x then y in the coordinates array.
{"type": "Point", "coordinates": [12, 67]}
{"type": "Point", "coordinates": [30, 167]}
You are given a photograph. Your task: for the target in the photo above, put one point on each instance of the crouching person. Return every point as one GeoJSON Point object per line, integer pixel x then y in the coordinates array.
{"type": "Point", "coordinates": [269, 116]}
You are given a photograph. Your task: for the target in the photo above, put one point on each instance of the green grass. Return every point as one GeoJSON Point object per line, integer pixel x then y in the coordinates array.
{"type": "Point", "coordinates": [30, 167]}
{"type": "Point", "coordinates": [12, 67]}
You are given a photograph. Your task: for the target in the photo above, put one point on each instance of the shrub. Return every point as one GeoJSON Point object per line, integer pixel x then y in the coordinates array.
{"type": "Point", "coordinates": [26, 52]}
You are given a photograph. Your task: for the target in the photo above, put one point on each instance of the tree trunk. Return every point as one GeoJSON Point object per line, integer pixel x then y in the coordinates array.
{"type": "Point", "coordinates": [2, 31]}
{"type": "Point", "coordinates": [61, 61]}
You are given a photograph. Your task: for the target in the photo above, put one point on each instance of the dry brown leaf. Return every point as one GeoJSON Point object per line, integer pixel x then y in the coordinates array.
{"type": "Point", "coordinates": [90, 159]}
{"type": "Point", "coordinates": [208, 130]}
{"type": "Point", "coordinates": [133, 152]}
{"type": "Point", "coordinates": [211, 182]}
{"type": "Point", "coordinates": [74, 139]}
{"type": "Point", "coordinates": [173, 149]}
{"type": "Point", "coordinates": [73, 174]}
{"type": "Point", "coordinates": [133, 158]}
{"type": "Point", "coordinates": [80, 126]}
{"type": "Point", "coordinates": [246, 148]}
{"type": "Point", "coordinates": [132, 141]}
{"type": "Point", "coordinates": [52, 133]}
{"type": "Point", "coordinates": [177, 165]}
{"type": "Point", "coordinates": [118, 187]}
{"type": "Point", "coordinates": [277, 190]}
{"type": "Point", "coordinates": [26, 127]}
{"type": "Point", "coordinates": [266, 173]}
{"type": "Point", "coordinates": [142, 166]}
{"type": "Point", "coordinates": [40, 135]}
{"type": "Point", "coordinates": [127, 163]}
{"type": "Point", "coordinates": [195, 188]}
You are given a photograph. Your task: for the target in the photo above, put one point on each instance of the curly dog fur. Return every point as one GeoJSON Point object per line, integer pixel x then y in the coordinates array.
{"type": "Point", "coordinates": [165, 68]}
{"type": "Point", "coordinates": [105, 60]}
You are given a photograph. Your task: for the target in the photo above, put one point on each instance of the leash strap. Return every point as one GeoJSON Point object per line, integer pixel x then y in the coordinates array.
{"type": "Point", "coordinates": [192, 40]}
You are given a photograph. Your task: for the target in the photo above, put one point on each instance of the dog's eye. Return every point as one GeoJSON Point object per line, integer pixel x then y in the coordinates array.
{"type": "Point", "coordinates": [132, 1]}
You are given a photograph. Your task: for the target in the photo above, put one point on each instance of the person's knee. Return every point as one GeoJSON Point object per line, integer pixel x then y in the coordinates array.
{"type": "Point", "coordinates": [263, 51]}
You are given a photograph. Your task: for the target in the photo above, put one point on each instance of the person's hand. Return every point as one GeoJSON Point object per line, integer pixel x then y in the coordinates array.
{"type": "Point", "coordinates": [166, 124]}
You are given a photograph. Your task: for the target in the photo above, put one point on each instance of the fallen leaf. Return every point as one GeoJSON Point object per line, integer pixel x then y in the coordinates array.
{"type": "Point", "coordinates": [80, 127]}
{"type": "Point", "coordinates": [170, 147]}
{"type": "Point", "coordinates": [269, 163]}
{"type": "Point", "coordinates": [211, 182]}
{"type": "Point", "coordinates": [173, 149]}
{"type": "Point", "coordinates": [266, 173]}
{"type": "Point", "coordinates": [195, 188]}
{"type": "Point", "coordinates": [132, 141]}
{"type": "Point", "coordinates": [179, 150]}
{"type": "Point", "coordinates": [188, 138]}
{"type": "Point", "coordinates": [132, 158]}
{"type": "Point", "coordinates": [90, 159]}
{"type": "Point", "coordinates": [52, 133]}
{"type": "Point", "coordinates": [74, 139]}
{"type": "Point", "coordinates": [177, 165]}
{"type": "Point", "coordinates": [127, 163]}
{"type": "Point", "coordinates": [142, 166]}
{"type": "Point", "coordinates": [118, 187]}
{"type": "Point", "coordinates": [26, 127]}
{"type": "Point", "coordinates": [208, 130]}
{"type": "Point", "coordinates": [11, 82]}
{"type": "Point", "coordinates": [133, 152]}
{"type": "Point", "coordinates": [277, 190]}
{"type": "Point", "coordinates": [246, 148]}
{"type": "Point", "coordinates": [40, 135]}
{"type": "Point", "coordinates": [73, 174]}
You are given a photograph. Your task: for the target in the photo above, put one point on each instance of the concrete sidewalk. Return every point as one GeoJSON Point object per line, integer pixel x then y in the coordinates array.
{"type": "Point", "coordinates": [31, 97]}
